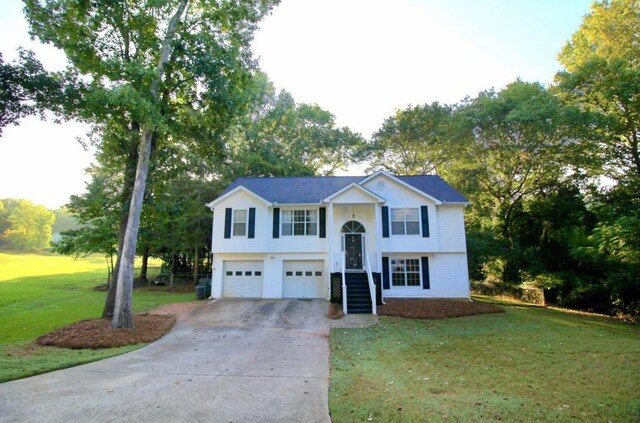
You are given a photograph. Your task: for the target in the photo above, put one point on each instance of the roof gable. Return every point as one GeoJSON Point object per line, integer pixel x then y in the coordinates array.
{"type": "Point", "coordinates": [369, 182]}
{"type": "Point", "coordinates": [239, 188]}
{"type": "Point", "coordinates": [356, 193]}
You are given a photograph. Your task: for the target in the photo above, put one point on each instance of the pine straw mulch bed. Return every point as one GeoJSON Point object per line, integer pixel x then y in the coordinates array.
{"type": "Point", "coordinates": [98, 333]}
{"type": "Point", "coordinates": [427, 308]}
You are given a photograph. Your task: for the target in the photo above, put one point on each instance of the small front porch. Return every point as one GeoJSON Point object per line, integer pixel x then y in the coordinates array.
{"type": "Point", "coordinates": [354, 232]}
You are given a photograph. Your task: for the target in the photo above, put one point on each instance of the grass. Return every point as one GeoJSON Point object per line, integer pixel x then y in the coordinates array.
{"type": "Point", "coordinates": [42, 292]}
{"type": "Point", "coordinates": [528, 364]}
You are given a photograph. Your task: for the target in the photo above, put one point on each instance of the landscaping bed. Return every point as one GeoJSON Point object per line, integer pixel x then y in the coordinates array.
{"type": "Point", "coordinates": [98, 333]}
{"type": "Point", "coordinates": [428, 308]}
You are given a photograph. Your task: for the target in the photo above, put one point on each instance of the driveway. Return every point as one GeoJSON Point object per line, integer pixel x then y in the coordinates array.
{"type": "Point", "coordinates": [230, 361]}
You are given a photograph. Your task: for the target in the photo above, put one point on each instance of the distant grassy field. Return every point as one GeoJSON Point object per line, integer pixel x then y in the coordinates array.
{"type": "Point", "coordinates": [528, 364]}
{"type": "Point", "coordinates": [42, 292]}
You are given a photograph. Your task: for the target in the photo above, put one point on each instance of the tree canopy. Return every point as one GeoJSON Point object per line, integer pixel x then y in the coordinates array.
{"type": "Point", "coordinates": [24, 225]}
{"type": "Point", "coordinates": [417, 140]}
{"type": "Point", "coordinates": [158, 71]}
{"type": "Point", "coordinates": [602, 75]}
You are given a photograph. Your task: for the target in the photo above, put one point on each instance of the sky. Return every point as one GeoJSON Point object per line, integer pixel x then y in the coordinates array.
{"type": "Point", "coordinates": [359, 59]}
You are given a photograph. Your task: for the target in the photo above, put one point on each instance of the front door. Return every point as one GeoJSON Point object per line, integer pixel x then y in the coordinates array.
{"type": "Point", "coordinates": [353, 248]}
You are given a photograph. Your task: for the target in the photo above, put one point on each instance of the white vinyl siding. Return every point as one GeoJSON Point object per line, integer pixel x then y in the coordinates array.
{"type": "Point", "coordinates": [405, 221]}
{"type": "Point", "coordinates": [239, 223]}
{"type": "Point", "coordinates": [405, 272]}
{"type": "Point", "coordinates": [299, 222]}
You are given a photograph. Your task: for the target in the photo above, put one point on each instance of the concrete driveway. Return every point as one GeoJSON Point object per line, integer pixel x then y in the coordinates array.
{"type": "Point", "coordinates": [230, 361]}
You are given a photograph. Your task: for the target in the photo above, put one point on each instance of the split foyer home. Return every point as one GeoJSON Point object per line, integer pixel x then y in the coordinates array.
{"type": "Point", "coordinates": [353, 239]}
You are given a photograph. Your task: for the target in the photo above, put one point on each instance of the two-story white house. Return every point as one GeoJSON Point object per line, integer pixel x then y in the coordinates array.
{"type": "Point", "coordinates": [371, 237]}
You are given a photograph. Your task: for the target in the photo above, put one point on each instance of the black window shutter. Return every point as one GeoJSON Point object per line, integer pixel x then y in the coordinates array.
{"type": "Point", "coordinates": [425, 273]}
{"type": "Point", "coordinates": [385, 222]}
{"type": "Point", "coordinates": [323, 222]}
{"type": "Point", "coordinates": [385, 272]}
{"type": "Point", "coordinates": [276, 222]}
{"type": "Point", "coordinates": [227, 222]}
{"type": "Point", "coordinates": [252, 223]}
{"type": "Point", "coordinates": [424, 212]}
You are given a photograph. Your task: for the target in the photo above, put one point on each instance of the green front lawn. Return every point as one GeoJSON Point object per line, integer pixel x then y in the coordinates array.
{"type": "Point", "coordinates": [42, 292]}
{"type": "Point", "coordinates": [528, 364]}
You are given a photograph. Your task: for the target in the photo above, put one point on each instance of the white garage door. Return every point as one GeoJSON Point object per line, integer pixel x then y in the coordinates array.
{"type": "Point", "coordinates": [304, 279]}
{"type": "Point", "coordinates": [242, 279]}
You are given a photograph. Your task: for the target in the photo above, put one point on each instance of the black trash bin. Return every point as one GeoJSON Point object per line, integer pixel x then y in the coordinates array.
{"type": "Point", "coordinates": [205, 283]}
{"type": "Point", "coordinates": [200, 292]}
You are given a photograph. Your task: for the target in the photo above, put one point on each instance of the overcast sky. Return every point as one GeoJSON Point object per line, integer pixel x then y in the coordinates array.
{"type": "Point", "coordinates": [359, 59]}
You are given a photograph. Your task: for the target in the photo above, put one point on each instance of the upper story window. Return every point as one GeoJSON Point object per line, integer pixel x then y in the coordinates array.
{"type": "Point", "coordinates": [239, 222]}
{"type": "Point", "coordinates": [405, 221]}
{"type": "Point", "coordinates": [299, 222]}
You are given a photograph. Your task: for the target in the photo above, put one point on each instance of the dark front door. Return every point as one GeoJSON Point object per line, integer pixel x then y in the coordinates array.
{"type": "Point", "coordinates": [353, 247]}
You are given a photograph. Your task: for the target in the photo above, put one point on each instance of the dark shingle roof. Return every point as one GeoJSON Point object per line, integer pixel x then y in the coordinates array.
{"type": "Point", "coordinates": [310, 190]}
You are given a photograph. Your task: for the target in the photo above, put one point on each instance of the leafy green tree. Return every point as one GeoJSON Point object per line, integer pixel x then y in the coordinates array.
{"type": "Point", "coordinates": [25, 226]}
{"type": "Point", "coordinates": [519, 146]}
{"type": "Point", "coordinates": [279, 137]}
{"type": "Point", "coordinates": [26, 88]}
{"type": "Point", "coordinates": [418, 140]}
{"type": "Point", "coordinates": [602, 75]}
{"type": "Point", "coordinates": [159, 65]}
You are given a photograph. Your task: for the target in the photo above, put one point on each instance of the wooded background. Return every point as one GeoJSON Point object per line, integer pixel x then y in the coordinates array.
{"type": "Point", "coordinates": [552, 173]}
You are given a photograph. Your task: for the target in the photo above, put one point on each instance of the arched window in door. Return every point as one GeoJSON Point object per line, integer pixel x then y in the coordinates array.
{"type": "Point", "coordinates": [352, 227]}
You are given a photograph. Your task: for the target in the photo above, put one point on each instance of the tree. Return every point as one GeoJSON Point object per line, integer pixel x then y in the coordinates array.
{"type": "Point", "coordinates": [24, 225]}
{"type": "Point", "coordinates": [521, 145]}
{"type": "Point", "coordinates": [96, 213]}
{"type": "Point", "coordinates": [418, 140]}
{"type": "Point", "coordinates": [279, 137]}
{"type": "Point", "coordinates": [155, 65]}
{"type": "Point", "coordinates": [602, 75]}
{"type": "Point", "coordinates": [26, 88]}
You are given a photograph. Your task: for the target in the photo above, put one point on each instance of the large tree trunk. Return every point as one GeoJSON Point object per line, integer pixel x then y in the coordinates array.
{"type": "Point", "coordinates": [123, 313]}
{"type": "Point", "coordinates": [110, 301]}
{"type": "Point", "coordinates": [127, 190]}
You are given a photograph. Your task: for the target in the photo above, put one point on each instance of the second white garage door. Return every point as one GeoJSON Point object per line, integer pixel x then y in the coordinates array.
{"type": "Point", "coordinates": [304, 279]}
{"type": "Point", "coordinates": [242, 279]}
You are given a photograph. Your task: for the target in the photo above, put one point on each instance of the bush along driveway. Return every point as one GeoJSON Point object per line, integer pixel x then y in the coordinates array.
{"type": "Point", "coordinates": [528, 364]}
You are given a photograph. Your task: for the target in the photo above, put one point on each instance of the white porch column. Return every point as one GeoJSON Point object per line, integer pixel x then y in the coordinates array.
{"type": "Point", "coordinates": [378, 219]}
{"type": "Point", "coordinates": [330, 238]}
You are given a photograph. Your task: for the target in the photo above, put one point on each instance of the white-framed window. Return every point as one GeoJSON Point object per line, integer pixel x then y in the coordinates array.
{"type": "Point", "coordinates": [405, 221]}
{"type": "Point", "coordinates": [239, 222]}
{"type": "Point", "coordinates": [405, 271]}
{"type": "Point", "coordinates": [299, 222]}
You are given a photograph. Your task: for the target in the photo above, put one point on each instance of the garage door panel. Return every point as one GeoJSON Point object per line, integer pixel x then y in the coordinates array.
{"type": "Point", "coordinates": [242, 279]}
{"type": "Point", "coordinates": [304, 279]}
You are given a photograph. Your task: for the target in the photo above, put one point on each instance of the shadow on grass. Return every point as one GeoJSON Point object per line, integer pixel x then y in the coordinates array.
{"type": "Point", "coordinates": [563, 316]}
